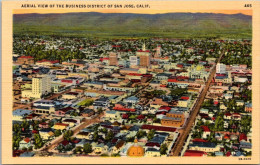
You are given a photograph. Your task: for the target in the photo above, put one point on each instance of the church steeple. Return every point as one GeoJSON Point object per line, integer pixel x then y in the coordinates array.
{"type": "Point", "coordinates": [143, 48]}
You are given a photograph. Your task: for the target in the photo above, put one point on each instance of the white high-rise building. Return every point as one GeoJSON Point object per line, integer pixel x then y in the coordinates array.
{"type": "Point", "coordinates": [41, 85]}
{"type": "Point", "coordinates": [134, 61]}
{"type": "Point", "coordinates": [221, 68]}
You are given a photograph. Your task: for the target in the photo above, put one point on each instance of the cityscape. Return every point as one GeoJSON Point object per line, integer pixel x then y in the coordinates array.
{"type": "Point", "coordinates": [139, 97]}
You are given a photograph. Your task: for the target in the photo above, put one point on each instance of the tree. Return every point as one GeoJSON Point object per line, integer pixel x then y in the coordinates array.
{"type": "Point", "coordinates": [200, 122]}
{"type": "Point", "coordinates": [78, 150]}
{"type": "Point", "coordinates": [104, 130]}
{"type": "Point", "coordinates": [115, 155]}
{"type": "Point", "coordinates": [16, 140]}
{"type": "Point", "coordinates": [51, 123]}
{"type": "Point", "coordinates": [35, 124]}
{"type": "Point", "coordinates": [176, 91]}
{"type": "Point", "coordinates": [16, 128]}
{"type": "Point", "coordinates": [24, 149]}
{"type": "Point", "coordinates": [38, 141]}
{"type": "Point", "coordinates": [68, 134]}
{"type": "Point", "coordinates": [57, 133]}
{"type": "Point", "coordinates": [208, 103]}
{"type": "Point", "coordinates": [87, 148]}
{"type": "Point", "coordinates": [132, 117]}
{"type": "Point", "coordinates": [157, 93]}
{"type": "Point", "coordinates": [140, 134]}
{"type": "Point", "coordinates": [25, 125]}
{"type": "Point", "coordinates": [156, 120]}
{"type": "Point", "coordinates": [95, 136]}
{"type": "Point", "coordinates": [104, 155]}
{"type": "Point", "coordinates": [99, 110]}
{"type": "Point", "coordinates": [69, 147]}
{"type": "Point", "coordinates": [95, 127]}
{"type": "Point", "coordinates": [246, 122]}
{"type": "Point", "coordinates": [60, 148]}
{"type": "Point", "coordinates": [109, 136]}
{"type": "Point", "coordinates": [219, 123]}
{"type": "Point", "coordinates": [163, 149]}
{"type": "Point", "coordinates": [150, 135]}
{"type": "Point", "coordinates": [130, 139]}
{"type": "Point", "coordinates": [30, 148]}
{"type": "Point", "coordinates": [86, 102]}
{"type": "Point", "coordinates": [74, 113]}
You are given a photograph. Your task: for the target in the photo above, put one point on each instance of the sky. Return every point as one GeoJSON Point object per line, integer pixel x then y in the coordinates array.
{"type": "Point", "coordinates": [140, 11]}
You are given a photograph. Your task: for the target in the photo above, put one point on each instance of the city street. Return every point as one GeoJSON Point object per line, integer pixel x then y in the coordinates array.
{"type": "Point", "coordinates": [189, 123]}
{"type": "Point", "coordinates": [51, 145]}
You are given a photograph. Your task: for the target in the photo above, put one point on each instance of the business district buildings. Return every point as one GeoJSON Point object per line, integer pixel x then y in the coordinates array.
{"type": "Point", "coordinates": [130, 97]}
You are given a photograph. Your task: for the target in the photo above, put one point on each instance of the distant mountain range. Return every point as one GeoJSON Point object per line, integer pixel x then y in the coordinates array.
{"type": "Point", "coordinates": [172, 25]}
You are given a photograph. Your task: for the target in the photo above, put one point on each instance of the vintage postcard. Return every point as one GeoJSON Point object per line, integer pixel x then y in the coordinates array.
{"type": "Point", "coordinates": [124, 81]}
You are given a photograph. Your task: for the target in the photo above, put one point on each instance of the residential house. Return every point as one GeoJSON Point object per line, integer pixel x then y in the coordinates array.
{"type": "Point", "coordinates": [222, 106]}
{"type": "Point", "coordinates": [93, 84]}
{"type": "Point", "coordinates": [82, 142]}
{"type": "Point", "coordinates": [84, 135]}
{"type": "Point", "coordinates": [25, 143]}
{"type": "Point", "coordinates": [248, 107]}
{"type": "Point", "coordinates": [206, 132]}
{"type": "Point", "coordinates": [152, 152]}
{"type": "Point", "coordinates": [87, 113]}
{"type": "Point", "coordinates": [71, 96]}
{"type": "Point", "coordinates": [246, 146]}
{"type": "Point", "coordinates": [112, 114]}
{"type": "Point", "coordinates": [27, 154]}
{"type": "Point", "coordinates": [194, 153]}
{"type": "Point", "coordinates": [228, 116]}
{"type": "Point", "coordinates": [158, 102]}
{"type": "Point", "coordinates": [236, 116]}
{"type": "Point", "coordinates": [174, 119]}
{"type": "Point", "coordinates": [133, 131]}
{"type": "Point", "coordinates": [184, 101]}
{"type": "Point", "coordinates": [43, 125]}
{"type": "Point", "coordinates": [20, 114]}
{"type": "Point", "coordinates": [46, 133]}
{"type": "Point", "coordinates": [204, 111]}
{"type": "Point", "coordinates": [102, 102]}
{"type": "Point", "coordinates": [228, 96]}
{"type": "Point", "coordinates": [25, 60]}
{"type": "Point", "coordinates": [218, 136]}
{"type": "Point", "coordinates": [100, 148]}
{"type": "Point", "coordinates": [240, 103]}
{"type": "Point", "coordinates": [119, 145]}
{"type": "Point", "coordinates": [132, 99]}
{"type": "Point", "coordinates": [60, 126]}
{"type": "Point", "coordinates": [219, 153]}
{"type": "Point", "coordinates": [204, 146]}
{"type": "Point", "coordinates": [70, 122]}
{"type": "Point", "coordinates": [114, 99]}
{"type": "Point", "coordinates": [64, 111]}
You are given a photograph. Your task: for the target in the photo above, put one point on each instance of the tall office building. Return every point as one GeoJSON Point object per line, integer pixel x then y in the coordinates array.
{"type": "Point", "coordinates": [113, 59]}
{"type": "Point", "coordinates": [221, 68]}
{"type": "Point", "coordinates": [145, 56]}
{"type": "Point", "coordinates": [41, 85]}
{"type": "Point", "coordinates": [134, 61]}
